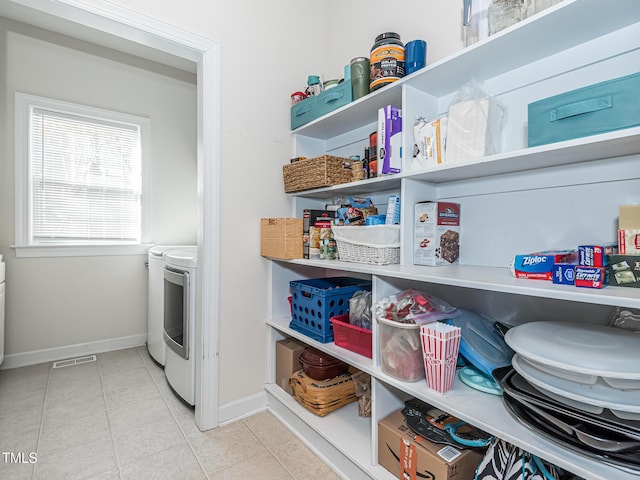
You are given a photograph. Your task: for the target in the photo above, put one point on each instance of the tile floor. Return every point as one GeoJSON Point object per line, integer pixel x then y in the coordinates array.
{"type": "Point", "coordinates": [116, 419]}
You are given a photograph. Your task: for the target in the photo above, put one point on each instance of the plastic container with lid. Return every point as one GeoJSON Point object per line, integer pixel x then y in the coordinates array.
{"type": "Point", "coordinates": [386, 60]}
{"type": "Point", "coordinates": [481, 344]}
{"type": "Point", "coordinates": [321, 366]}
{"type": "Point", "coordinates": [401, 350]}
{"type": "Point", "coordinates": [314, 86]}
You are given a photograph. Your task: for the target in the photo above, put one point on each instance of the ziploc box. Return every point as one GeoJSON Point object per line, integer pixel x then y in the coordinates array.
{"type": "Point", "coordinates": [539, 265]}
{"type": "Point", "coordinates": [591, 277]}
{"type": "Point", "coordinates": [389, 140]}
{"type": "Point", "coordinates": [595, 255]}
{"type": "Point", "coordinates": [436, 235]}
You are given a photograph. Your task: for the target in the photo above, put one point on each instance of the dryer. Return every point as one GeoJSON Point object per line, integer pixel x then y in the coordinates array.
{"type": "Point", "coordinates": [180, 271]}
{"type": "Point", "coordinates": [155, 300]}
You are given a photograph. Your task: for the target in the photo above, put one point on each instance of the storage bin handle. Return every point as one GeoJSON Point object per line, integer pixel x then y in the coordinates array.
{"type": "Point", "coordinates": [579, 108]}
{"type": "Point", "coordinates": [303, 110]}
{"type": "Point", "coordinates": [333, 96]}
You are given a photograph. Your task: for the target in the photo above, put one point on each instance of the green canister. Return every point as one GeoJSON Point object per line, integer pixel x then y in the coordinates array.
{"type": "Point", "coordinates": [387, 60]}
{"type": "Point", "coordinates": [359, 71]}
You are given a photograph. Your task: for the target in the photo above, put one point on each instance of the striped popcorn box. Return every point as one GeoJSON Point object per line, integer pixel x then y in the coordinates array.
{"type": "Point", "coordinates": [440, 345]}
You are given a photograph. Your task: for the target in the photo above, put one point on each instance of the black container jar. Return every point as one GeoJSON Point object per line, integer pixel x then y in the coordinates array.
{"type": "Point", "coordinates": [386, 60]}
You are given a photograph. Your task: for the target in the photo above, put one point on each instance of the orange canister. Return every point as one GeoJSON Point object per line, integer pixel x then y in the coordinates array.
{"type": "Point", "coordinates": [386, 60]}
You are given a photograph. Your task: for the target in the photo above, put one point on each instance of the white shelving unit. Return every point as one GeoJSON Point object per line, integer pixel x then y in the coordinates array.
{"type": "Point", "coordinates": [525, 199]}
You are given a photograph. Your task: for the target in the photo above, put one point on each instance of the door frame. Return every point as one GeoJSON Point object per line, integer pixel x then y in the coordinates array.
{"type": "Point", "coordinates": [132, 29]}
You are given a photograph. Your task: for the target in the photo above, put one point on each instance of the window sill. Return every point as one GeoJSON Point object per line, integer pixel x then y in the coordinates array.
{"type": "Point", "coordinates": [34, 251]}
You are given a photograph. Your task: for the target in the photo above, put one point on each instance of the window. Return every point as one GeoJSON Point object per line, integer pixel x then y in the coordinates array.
{"type": "Point", "coordinates": [79, 173]}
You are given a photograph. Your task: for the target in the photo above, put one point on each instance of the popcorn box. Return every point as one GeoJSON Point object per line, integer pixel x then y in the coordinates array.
{"type": "Point", "coordinates": [591, 277]}
{"type": "Point", "coordinates": [436, 233]}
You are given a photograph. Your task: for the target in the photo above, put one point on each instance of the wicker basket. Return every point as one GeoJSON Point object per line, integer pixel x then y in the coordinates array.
{"type": "Point", "coordinates": [323, 396]}
{"type": "Point", "coordinates": [318, 172]}
{"type": "Point", "coordinates": [374, 244]}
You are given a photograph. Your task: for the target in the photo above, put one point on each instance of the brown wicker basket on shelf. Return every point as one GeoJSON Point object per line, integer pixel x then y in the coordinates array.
{"type": "Point", "coordinates": [317, 172]}
{"type": "Point", "coordinates": [322, 396]}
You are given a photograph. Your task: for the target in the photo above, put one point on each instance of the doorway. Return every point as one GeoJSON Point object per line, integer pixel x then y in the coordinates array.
{"type": "Point", "coordinates": [128, 31]}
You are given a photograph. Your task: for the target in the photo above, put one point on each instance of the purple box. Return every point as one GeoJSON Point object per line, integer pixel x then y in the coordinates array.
{"type": "Point", "coordinates": [564, 273]}
{"type": "Point", "coordinates": [389, 140]}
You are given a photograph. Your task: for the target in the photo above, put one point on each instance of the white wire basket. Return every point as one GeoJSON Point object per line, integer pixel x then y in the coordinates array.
{"type": "Point", "coordinates": [373, 244]}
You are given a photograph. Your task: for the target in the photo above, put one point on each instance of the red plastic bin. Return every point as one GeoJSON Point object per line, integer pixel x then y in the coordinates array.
{"type": "Point", "coordinates": [351, 337]}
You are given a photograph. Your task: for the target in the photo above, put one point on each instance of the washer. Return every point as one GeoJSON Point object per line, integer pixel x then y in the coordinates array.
{"type": "Point", "coordinates": [155, 300]}
{"type": "Point", "coordinates": [180, 272]}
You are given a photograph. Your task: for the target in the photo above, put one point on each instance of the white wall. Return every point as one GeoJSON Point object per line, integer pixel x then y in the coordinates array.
{"type": "Point", "coordinates": [267, 51]}
{"type": "Point", "coordinates": [58, 302]}
{"type": "Point", "coordinates": [352, 33]}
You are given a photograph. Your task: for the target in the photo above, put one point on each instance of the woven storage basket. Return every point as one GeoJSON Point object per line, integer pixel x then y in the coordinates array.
{"type": "Point", "coordinates": [323, 396]}
{"type": "Point", "coordinates": [374, 244]}
{"type": "Point", "coordinates": [317, 172]}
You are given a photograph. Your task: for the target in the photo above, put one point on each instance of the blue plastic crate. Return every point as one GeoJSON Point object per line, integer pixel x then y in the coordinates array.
{"type": "Point", "coordinates": [315, 301]}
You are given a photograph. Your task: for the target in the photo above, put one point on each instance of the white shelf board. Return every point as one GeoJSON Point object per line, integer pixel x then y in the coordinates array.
{"type": "Point", "coordinates": [553, 30]}
{"type": "Point", "coordinates": [495, 279]}
{"type": "Point", "coordinates": [342, 428]}
{"type": "Point", "coordinates": [359, 361]}
{"type": "Point", "coordinates": [620, 143]}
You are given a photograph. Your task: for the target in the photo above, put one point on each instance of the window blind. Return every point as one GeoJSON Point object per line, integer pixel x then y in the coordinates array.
{"type": "Point", "coordinates": [86, 179]}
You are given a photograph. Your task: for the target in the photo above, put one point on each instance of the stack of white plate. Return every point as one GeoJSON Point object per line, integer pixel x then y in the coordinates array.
{"type": "Point", "coordinates": [588, 367]}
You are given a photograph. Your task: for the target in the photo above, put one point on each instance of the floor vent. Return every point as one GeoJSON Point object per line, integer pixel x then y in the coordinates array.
{"type": "Point", "coordinates": [74, 361]}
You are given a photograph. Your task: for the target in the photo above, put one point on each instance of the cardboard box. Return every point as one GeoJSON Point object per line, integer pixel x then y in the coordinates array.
{"type": "Point", "coordinates": [281, 238]}
{"type": "Point", "coordinates": [595, 255]}
{"type": "Point", "coordinates": [389, 140]}
{"type": "Point", "coordinates": [564, 273]}
{"type": "Point", "coordinates": [591, 277]}
{"type": "Point", "coordinates": [436, 233]}
{"type": "Point", "coordinates": [629, 241]}
{"type": "Point", "coordinates": [629, 229]}
{"type": "Point", "coordinates": [310, 217]}
{"type": "Point", "coordinates": [287, 353]}
{"type": "Point", "coordinates": [624, 270]}
{"type": "Point", "coordinates": [540, 265]}
{"type": "Point", "coordinates": [408, 459]}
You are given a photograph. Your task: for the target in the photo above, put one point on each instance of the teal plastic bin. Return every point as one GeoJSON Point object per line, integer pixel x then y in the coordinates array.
{"type": "Point", "coordinates": [303, 112]}
{"type": "Point", "coordinates": [334, 98]}
{"type": "Point", "coordinates": [599, 108]}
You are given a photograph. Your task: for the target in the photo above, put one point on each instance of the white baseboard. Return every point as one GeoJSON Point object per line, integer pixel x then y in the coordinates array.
{"type": "Point", "coordinates": [239, 409]}
{"type": "Point", "coordinates": [15, 360]}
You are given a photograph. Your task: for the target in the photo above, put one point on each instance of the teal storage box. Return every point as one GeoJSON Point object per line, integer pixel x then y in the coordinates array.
{"type": "Point", "coordinates": [303, 112]}
{"type": "Point", "coordinates": [599, 108]}
{"type": "Point", "coordinates": [334, 98]}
